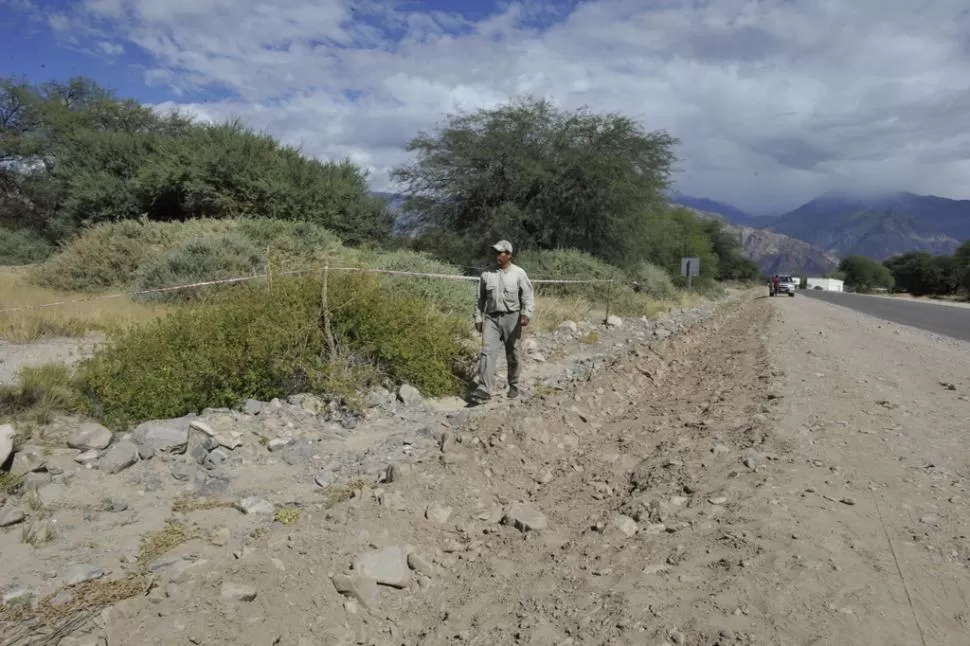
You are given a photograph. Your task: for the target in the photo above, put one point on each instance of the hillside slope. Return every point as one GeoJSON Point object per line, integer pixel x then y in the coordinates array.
{"type": "Point", "coordinates": [777, 253]}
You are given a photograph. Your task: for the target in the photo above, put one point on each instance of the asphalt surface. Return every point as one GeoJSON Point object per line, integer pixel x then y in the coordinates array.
{"type": "Point", "coordinates": [939, 319]}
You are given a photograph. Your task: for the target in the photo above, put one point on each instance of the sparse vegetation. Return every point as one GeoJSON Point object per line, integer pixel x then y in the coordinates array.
{"type": "Point", "coordinates": [125, 200]}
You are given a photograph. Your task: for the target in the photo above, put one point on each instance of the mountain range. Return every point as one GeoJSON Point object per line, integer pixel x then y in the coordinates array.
{"type": "Point", "coordinates": [811, 239]}
{"type": "Point", "coordinates": [841, 223]}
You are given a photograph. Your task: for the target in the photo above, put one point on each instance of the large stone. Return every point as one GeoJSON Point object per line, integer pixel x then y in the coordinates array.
{"type": "Point", "coordinates": [388, 566]}
{"type": "Point", "coordinates": [525, 518]}
{"type": "Point", "coordinates": [409, 395]}
{"type": "Point", "coordinates": [118, 458]}
{"type": "Point", "coordinates": [166, 436]}
{"type": "Point", "coordinates": [27, 460]}
{"type": "Point", "coordinates": [90, 436]}
{"type": "Point", "coordinates": [255, 506]}
{"type": "Point", "coordinates": [614, 321]}
{"type": "Point", "coordinates": [6, 442]}
{"type": "Point", "coordinates": [11, 516]}
{"type": "Point", "coordinates": [361, 588]}
{"type": "Point", "coordinates": [81, 573]}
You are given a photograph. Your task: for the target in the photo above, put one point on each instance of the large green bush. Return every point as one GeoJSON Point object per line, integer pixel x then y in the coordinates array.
{"type": "Point", "coordinates": [448, 296]}
{"type": "Point", "coordinates": [23, 247]}
{"type": "Point", "coordinates": [653, 281]}
{"type": "Point", "coordinates": [207, 258]}
{"type": "Point", "coordinates": [263, 342]}
{"type": "Point", "coordinates": [122, 254]}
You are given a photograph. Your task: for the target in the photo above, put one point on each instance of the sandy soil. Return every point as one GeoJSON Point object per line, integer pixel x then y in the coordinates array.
{"type": "Point", "coordinates": [789, 473]}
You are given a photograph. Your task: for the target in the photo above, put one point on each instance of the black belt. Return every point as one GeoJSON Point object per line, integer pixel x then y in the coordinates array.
{"type": "Point", "coordinates": [499, 313]}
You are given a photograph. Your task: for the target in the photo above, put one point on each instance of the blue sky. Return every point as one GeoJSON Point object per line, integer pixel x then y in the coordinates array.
{"type": "Point", "coordinates": [774, 101]}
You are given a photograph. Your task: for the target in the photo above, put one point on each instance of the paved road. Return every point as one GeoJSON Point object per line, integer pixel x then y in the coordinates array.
{"type": "Point", "coordinates": [939, 319]}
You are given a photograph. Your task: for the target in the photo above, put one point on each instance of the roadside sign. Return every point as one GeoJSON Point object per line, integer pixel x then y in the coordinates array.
{"type": "Point", "coordinates": [690, 266]}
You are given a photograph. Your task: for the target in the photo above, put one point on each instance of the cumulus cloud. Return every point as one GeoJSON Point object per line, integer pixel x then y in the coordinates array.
{"type": "Point", "coordinates": [774, 101]}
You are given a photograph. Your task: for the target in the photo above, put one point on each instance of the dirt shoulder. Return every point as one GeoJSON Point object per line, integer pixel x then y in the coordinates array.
{"type": "Point", "coordinates": [788, 472]}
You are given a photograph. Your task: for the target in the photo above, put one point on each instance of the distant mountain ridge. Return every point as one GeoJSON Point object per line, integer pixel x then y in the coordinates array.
{"type": "Point", "coordinates": [879, 226]}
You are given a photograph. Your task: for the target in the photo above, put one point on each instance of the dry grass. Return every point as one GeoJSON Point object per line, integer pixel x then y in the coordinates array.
{"type": "Point", "coordinates": [156, 544]}
{"type": "Point", "coordinates": [74, 319]}
{"type": "Point", "coordinates": [51, 622]}
{"type": "Point", "coordinates": [551, 311]}
{"type": "Point", "coordinates": [187, 503]}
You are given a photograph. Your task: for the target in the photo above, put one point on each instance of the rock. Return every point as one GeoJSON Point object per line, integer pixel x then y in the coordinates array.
{"type": "Point", "coordinates": [614, 321]}
{"type": "Point", "coordinates": [567, 328]}
{"type": "Point", "coordinates": [930, 519]}
{"type": "Point", "coordinates": [90, 436]}
{"type": "Point", "coordinates": [625, 524]}
{"type": "Point", "coordinates": [11, 516]}
{"type": "Point", "coordinates": [28, 460]}
{"type": "Point", "coordinates": [217, 457]}
{"type": "Point", "coordinates": [80, 573]}
{"type": "Point", "coordinates": [88, 457]}
{"type": "Point", "coordinates": [253, 505]}
{"type": "Point", "coordinates": [166, 436]}
{"type": "Point", "coordinates": [419, 564]}
{"type": "Point", "coordinates": [409, 395]}
{"type": "Point", "coordinates": [7, 433]}
{"type": "Point", "coordinates": [388, 566]}
{"type": "Point", "coordinates": [437, 513]}
{"type": "Point", "coordinates": [847, 500]}
{"type": "Point", "coordinates": [118, 458]}
{"type": "Point", "coordinates": [253, 407]}
{"type": "Point", "coordinates": [16, 594]}
{"type": "Point", "coordinates": [146, 452]}
{"type": "Point", "coordinates": [237, 591]}
{"type": "Point", "coordinates": [678, 637]}
{"type": "Point", "coordinates": [324, 479]}
{"type": "Point", "coordinates": [114, 505]}
{"type": "Point", "coordinates": [278, 443]}
{"type": "Point", "coordinates": [717, 500]}
{"type": "Point", "coordinates": [749, 462]}
{"type": "Point", "coordinates": [529, 346]}
{"type": "Point", "coordinates": [221, 537]}
{"type": "Point", "coordinates": [379, 397]}
{"type": "Point", "coordinates": [525, 518]}
{"type": "Point", "coordinates": [363, 589]}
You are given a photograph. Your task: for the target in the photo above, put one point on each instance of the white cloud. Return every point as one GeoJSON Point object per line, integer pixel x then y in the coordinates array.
{"type": "Point", "coordinates": [773, 100]}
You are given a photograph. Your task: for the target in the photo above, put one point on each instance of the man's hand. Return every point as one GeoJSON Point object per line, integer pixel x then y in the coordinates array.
{"type": "Point", "coordinates": [524, 320]}
{"type": "Point", "coordinates": [478, 327]}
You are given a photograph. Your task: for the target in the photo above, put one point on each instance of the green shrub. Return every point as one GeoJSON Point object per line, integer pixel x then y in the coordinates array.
{"type": "Point", "coordinates": [455, 297]}
{"type": "Point", "coordinates": [41, 390]}
{"type": "Point", "coordinates": [653, 281]}
{"type": "Point", "coordinates": [263, 343]}
{"type": "Point", "coordinates": [108, 255]}
{"type": "Point", "coordinates": [119, 254]}
{"type": "Point", "coordinates": [23, 247]}
{"type": "Point", "coordinates": [291, 243]}
{"type": "Point", "coordinates": [406, 340]}
{"type": "Point", "coordinates": [207, 258]}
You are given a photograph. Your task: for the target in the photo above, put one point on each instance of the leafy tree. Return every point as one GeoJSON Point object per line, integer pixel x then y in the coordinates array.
{"type": "Point", "coordinates": [732, 264]}
{"type": "Point", "coordinates": [864, 274]}
{"type": "Point", "coordinates": [73, 155]}
{"type": "Point", "coordinates": [544, 177]}
{"type": "Point", "coordinates": [921, 273]}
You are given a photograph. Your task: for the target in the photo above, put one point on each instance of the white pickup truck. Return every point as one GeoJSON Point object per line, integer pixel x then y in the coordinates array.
{"type": "Point", "coordinates": [786, 285]}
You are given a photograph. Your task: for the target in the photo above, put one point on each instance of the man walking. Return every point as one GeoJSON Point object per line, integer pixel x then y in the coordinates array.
{"type": "Point", "coordinates": [503, 307]}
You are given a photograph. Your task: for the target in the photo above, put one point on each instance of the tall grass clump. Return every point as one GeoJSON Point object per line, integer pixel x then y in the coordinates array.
{"type": "Point", "coordinates": [259, 342]}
